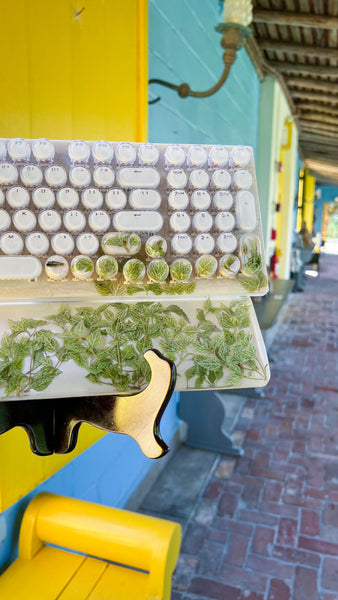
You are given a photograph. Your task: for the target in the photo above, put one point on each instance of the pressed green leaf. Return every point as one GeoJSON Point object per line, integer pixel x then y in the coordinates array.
{"type": "Point", "coordinates": [177, 310]}
{"type": "Point", "coordinates": [210, 363]}
{"type": "Point", "coordinates": [233, 380]}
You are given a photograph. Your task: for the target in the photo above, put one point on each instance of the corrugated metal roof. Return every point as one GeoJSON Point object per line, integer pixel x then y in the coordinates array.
{"type": "Point", "coordinates": [297, 41]}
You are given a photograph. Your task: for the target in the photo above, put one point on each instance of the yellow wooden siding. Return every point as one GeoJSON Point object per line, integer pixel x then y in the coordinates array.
{"type": "Point", "coordinates": [68, 70]}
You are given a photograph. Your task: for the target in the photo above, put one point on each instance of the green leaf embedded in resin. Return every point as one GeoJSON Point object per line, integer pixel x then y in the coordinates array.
{"type": "Point", "coordinates": [158, 270]}
{"type": "Point", "coordinates": [134, 270]}
{"type": "Point", "coordinates": [181, 270]}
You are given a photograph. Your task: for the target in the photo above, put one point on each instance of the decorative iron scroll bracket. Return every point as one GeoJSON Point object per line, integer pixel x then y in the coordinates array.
{"type": "Point", "coordinates": [53, 424]}
{"type": "Point", "coordinates": [233, 38]}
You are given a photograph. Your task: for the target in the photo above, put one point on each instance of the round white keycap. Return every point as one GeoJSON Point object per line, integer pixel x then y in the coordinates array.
{"type": "Point", "coordinates": [56, 267]}
{"type": "Point", "coordinates": [43, 197]}
{"type": "Point", "coordinates": [2, 198]}
{"type": "Point", "coordinates": [67, 198]}
{"type": "Point", "coordinates": [37, 243]}
{"type": "Point", "coordinates": [148, 154]}
{"type": "Point", "coordinates": [8, 173]}
{"type": "Point", "coordinates": [179, 221]}
{"type": "Point", "coordinates": [103, 152]}
{"type": "Point", "coordinates": [240, 156]}
{"type": "Point", "coordinates": [62, 243]}
{"type": "Point", "coordinates": [56, 176]}
{"type": "Point", "coordinates": [31, 175]}
{"type": "Point", "coordinates": [3, 150]}
{"type": "Point", "coordinates": [17, 197]}
{"type": "Point", "coordinates": [24, 220]}
{"type": "Point", "coordinates": [242, 179]}
{"type": "Point", "coordinates": [125, 154]}
{"type": "Point", "coordinates": [87, 243]}
{"type": "Point", "coordinates": [224, 221]}
{"type": "Point", "coordinates": [92, 198]}
{"type": "Point", "coordinates": [103, 176]}
{"type": "Point", "coordinates": [79, 177]}
{"type": "Point", "coordinates": [11, 243]}
{"type": "Point", "coordinates": [49, 220]}
{"type": "Point", "coordinates": [116, 199]}
{"type": "Point", "coordinates": [144, 199]}
{"type": "Point", "coordinates": [99, 221]}
{"type": "Point", "coordinates": [78, 151]}
{"type": "Point", "coordinates": [202, 221]}
{"type": "Point", "coordinates": [200, 200]}
{"type": "Point", "coordinates": [199, 179]}
{"type": "Point", "coordinates": [226, 242]}
{"type": "Point", "coordinates": [74, 220]}
{"type": "Point", "coordinates": [5, 220]}
{"type": "Point", "coordinates": [204, 243]}
{"type": "Point", "coordinates": [178, 200]}
{"type": "Point", "coordinates": [223, 200]}
{"type": "Point", "coordinates": [197, 156]}
{"type": "Point", "coordinates": [181, 244]}
{"type": "Point", "coordinates": [174, 155]}
{"type": "Point", "coordinates": [177, 179]}
{"type": "Point", "coordinates": [19, 149]}
{"type": "Point", "coordinates": [43, 150]}
{"type": "Point", "coordinates": [221, 179]}
{"type": "Point", "coordinates": [218, 156]}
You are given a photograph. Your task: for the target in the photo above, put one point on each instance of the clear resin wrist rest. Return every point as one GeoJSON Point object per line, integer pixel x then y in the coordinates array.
{"type": "Point", "coordinates": [110, 249]}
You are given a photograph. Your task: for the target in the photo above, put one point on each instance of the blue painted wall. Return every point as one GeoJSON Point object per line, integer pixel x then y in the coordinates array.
{"type": "Point", "coordinates": [183, 46]}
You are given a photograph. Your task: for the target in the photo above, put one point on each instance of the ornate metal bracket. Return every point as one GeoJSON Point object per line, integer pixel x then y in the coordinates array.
{"type": "Point", "coordinates": [52, 425]}
{"type": "Point", "coordinates": [233, 37]}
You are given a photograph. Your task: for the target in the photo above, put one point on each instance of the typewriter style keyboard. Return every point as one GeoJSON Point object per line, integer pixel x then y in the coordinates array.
{"type": "Point", "coordinates": [127, 212]}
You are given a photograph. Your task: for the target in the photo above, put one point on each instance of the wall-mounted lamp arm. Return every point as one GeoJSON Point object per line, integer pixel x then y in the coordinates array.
{"type": "Point", "coordinates": [233, 37]}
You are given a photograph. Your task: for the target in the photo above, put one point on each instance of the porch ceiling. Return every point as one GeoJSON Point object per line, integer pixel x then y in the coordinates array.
{"type": "Point", "coordinates": [297, 42]}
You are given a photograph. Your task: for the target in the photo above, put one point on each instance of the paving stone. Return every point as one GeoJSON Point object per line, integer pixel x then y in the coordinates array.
{"type": "Point", "coordinates": [270, 566]}
{"type": "Point", "coordinates": [296, 556]}
{"type": "Point", "coordinates": [237, 550]}
{"type": "Point", "coordinates": [183, 573]}
{"type": "Point", "coordinates": [209, 558]}
{"type": "Point", "coordinates": [279, 590]}
{"type": "Point", "coordinates": [330, 515]}
{"type": "Point", "coordinates": [287, 532]}
{"type": "Point", "coordinates": [224, 469]}
{"type": "Point", "coordinates": [310, 524]}
{"type": "Point", "coordinates": [214, 589]}
{"type": "Point", "coordinates": [263, 540]}
{"type": "Point", "coordinates": [305, 584]}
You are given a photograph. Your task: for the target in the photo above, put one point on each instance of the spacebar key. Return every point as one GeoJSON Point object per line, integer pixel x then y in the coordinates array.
{"type": "Point", "coordinates": [19, 267]}
{"type": "Point", "coordinates": [142, 220]}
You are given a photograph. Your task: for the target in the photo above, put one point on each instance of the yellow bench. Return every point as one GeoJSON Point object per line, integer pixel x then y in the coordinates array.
{"type": "Point", "coordinates": [112, 554]}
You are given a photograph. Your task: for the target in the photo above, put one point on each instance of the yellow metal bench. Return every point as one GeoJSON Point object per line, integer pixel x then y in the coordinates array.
{"type": "Point", "coordinates": [111, 554]}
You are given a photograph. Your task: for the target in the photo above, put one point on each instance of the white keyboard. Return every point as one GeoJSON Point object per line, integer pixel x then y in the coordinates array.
{"type": "Point", "coordinates": [133, 214]}
{"type": "Point", "coordinates": [83, 220]}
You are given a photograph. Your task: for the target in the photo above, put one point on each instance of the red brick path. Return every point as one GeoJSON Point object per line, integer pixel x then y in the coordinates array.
{"type": "Point", "coordinates": [266, 525]}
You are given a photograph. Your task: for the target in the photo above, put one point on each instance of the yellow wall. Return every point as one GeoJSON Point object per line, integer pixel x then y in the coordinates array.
{"type": "Point", "coordinates": [67, 73]}
{"type": "Point", "coordinates": [273, 186]}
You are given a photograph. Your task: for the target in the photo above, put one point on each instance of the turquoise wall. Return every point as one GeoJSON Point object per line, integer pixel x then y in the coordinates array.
{"type": "Point", "coordinates": [183, 46]}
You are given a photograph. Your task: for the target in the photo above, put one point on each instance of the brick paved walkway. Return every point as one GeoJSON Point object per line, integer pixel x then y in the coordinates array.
{"type": "Point", "coordinates": [265, 526]}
